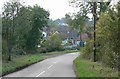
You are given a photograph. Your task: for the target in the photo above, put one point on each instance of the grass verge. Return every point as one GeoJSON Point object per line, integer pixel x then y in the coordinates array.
{"type": "Point", "coordinates": [21, 61]}
{"type": "Point", "coordinates": [87, 68]}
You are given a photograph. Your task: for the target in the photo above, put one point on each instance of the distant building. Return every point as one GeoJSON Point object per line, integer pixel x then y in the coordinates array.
{"type": "Point", "coordinates": [84, 37]}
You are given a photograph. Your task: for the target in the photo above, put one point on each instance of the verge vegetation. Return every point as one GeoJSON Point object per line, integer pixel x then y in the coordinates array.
{"type": "Point", "coordinates": [87, 68]}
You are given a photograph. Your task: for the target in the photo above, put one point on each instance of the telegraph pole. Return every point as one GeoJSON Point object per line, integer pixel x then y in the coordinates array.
{"type": "Point", "coordinates": [94, 15]}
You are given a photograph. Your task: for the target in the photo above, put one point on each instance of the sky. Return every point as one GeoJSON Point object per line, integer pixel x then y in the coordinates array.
{"type": "Point", "coordinates": [57, 8]}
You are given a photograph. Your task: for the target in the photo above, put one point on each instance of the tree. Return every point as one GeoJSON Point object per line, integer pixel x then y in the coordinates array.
{"type": "Point", "coordinates": [69, 20]}
{"type": "Point", "coordinates": [10, 12]}
{"type": "Point", "coordinates": [53, 43]}
{"type": "Point", "coordinates": [103, 6]}
{"type": "Point", "coordinates": [23, 26]}
{"type": "Point", "coordinates": [86, 8]}
{"type": "Point", "coordinates": [107, 38]}
{"type": "Point", "coordinates": [79, 20]}
{"type": "Point", "coordinates": [39, 20]}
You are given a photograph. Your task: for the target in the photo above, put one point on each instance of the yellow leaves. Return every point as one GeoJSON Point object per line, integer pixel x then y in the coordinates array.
{"type": "Point", "coordinates": [103, 26]}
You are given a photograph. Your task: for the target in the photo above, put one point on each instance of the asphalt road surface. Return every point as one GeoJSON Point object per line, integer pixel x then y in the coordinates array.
{"type": "Point", "coordinates": [60, 66]}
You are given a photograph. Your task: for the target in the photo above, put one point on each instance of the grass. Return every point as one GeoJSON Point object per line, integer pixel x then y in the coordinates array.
{"type": "Point", "coordinates": [87, 68]}
{"type": "Point", "coordinates": [22, 61]}
{"type": "Point", "coordinates": [19, 62]}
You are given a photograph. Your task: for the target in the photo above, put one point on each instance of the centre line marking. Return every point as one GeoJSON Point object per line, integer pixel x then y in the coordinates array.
{"type": "Point", "coordinates": [55, 62]}
{"type": "Point", "coordinates": [50, 66]}
{"type": "Point", "coordinates": [40, 73]}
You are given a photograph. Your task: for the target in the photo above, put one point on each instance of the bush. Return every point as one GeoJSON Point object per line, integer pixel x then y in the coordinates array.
{"type": "Point", "coordinates": [87, 50]}
{"type": "Point", "coordinates": [53, 43]}
{"type": "Point", "coordinates": [42, 50]}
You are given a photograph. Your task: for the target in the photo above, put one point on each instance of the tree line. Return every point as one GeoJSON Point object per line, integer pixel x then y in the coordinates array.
{"type": "Point", "coordinates": [107, 41]}
{"type": "Point", "coordinates": [107, 31]}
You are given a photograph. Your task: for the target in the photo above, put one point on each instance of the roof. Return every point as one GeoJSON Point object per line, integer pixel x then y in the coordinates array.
{"type": "Point", "coordinates": [83, 36]}
{"type": "Point", "coordinates": [64, 30]}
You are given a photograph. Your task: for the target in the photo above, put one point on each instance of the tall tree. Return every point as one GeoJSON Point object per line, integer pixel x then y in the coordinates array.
{"type": "Point", "coordinates": [10, 12]}
{"type": "Point", "coordinates": [39, 20]}
{"type": "Point", "coordinates": [79, 19]}
{"type": "Point", "coordinates": [23, 26]}
{"type": "Point", "coordinates": [90, 7]}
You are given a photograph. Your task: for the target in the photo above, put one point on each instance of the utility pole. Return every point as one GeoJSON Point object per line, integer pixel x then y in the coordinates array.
{"type": "Point", "coordinates": [94, 15]}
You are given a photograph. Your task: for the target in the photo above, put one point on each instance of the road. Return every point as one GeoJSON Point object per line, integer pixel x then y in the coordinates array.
{"type": "Point", "coordinates": [60, 66]}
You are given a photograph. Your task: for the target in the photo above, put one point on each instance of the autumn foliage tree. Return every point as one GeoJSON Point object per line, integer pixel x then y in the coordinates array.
{"type": "Point", "coordinates": [107, 37]}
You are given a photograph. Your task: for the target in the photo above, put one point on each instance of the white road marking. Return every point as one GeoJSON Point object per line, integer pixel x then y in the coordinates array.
{"type": "Point", "coordinates": [50, 66]}
{"type": "Point", "coordinates": [72, 53]}
{"type": "Point", "coordinates": [55, 62]}
{"type": "Point", "coordinates": [40, 73]}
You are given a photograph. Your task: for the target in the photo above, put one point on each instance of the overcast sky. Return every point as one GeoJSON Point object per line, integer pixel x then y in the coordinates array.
{"type": "Point", "coordinates": [57, 8]}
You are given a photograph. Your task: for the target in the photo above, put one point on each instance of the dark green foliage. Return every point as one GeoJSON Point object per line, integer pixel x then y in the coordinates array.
{"type": "Point", "coordinates": [10, 13]}
{"type": "Point", "coordinates": [39, 20]}
{"type": "Point", "coordinates": [103, 6]}
{"type": "Point", "coordinates": [32, 40]}
{"type": "Point", "coordinates": [22, 27]}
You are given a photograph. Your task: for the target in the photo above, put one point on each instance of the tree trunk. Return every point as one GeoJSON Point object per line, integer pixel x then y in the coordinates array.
{"type": "Point", "coordinates": [9, 56]}
{"type": "Point", "coordinates": [9, 49]}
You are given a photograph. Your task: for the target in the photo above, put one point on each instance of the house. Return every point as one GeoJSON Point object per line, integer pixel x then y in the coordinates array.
{"type": "Point", "coordinates": [84, 37]}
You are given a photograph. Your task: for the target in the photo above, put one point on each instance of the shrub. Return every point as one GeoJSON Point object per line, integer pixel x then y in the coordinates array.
{"type": "Point", "coordinates": [53, 43]}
